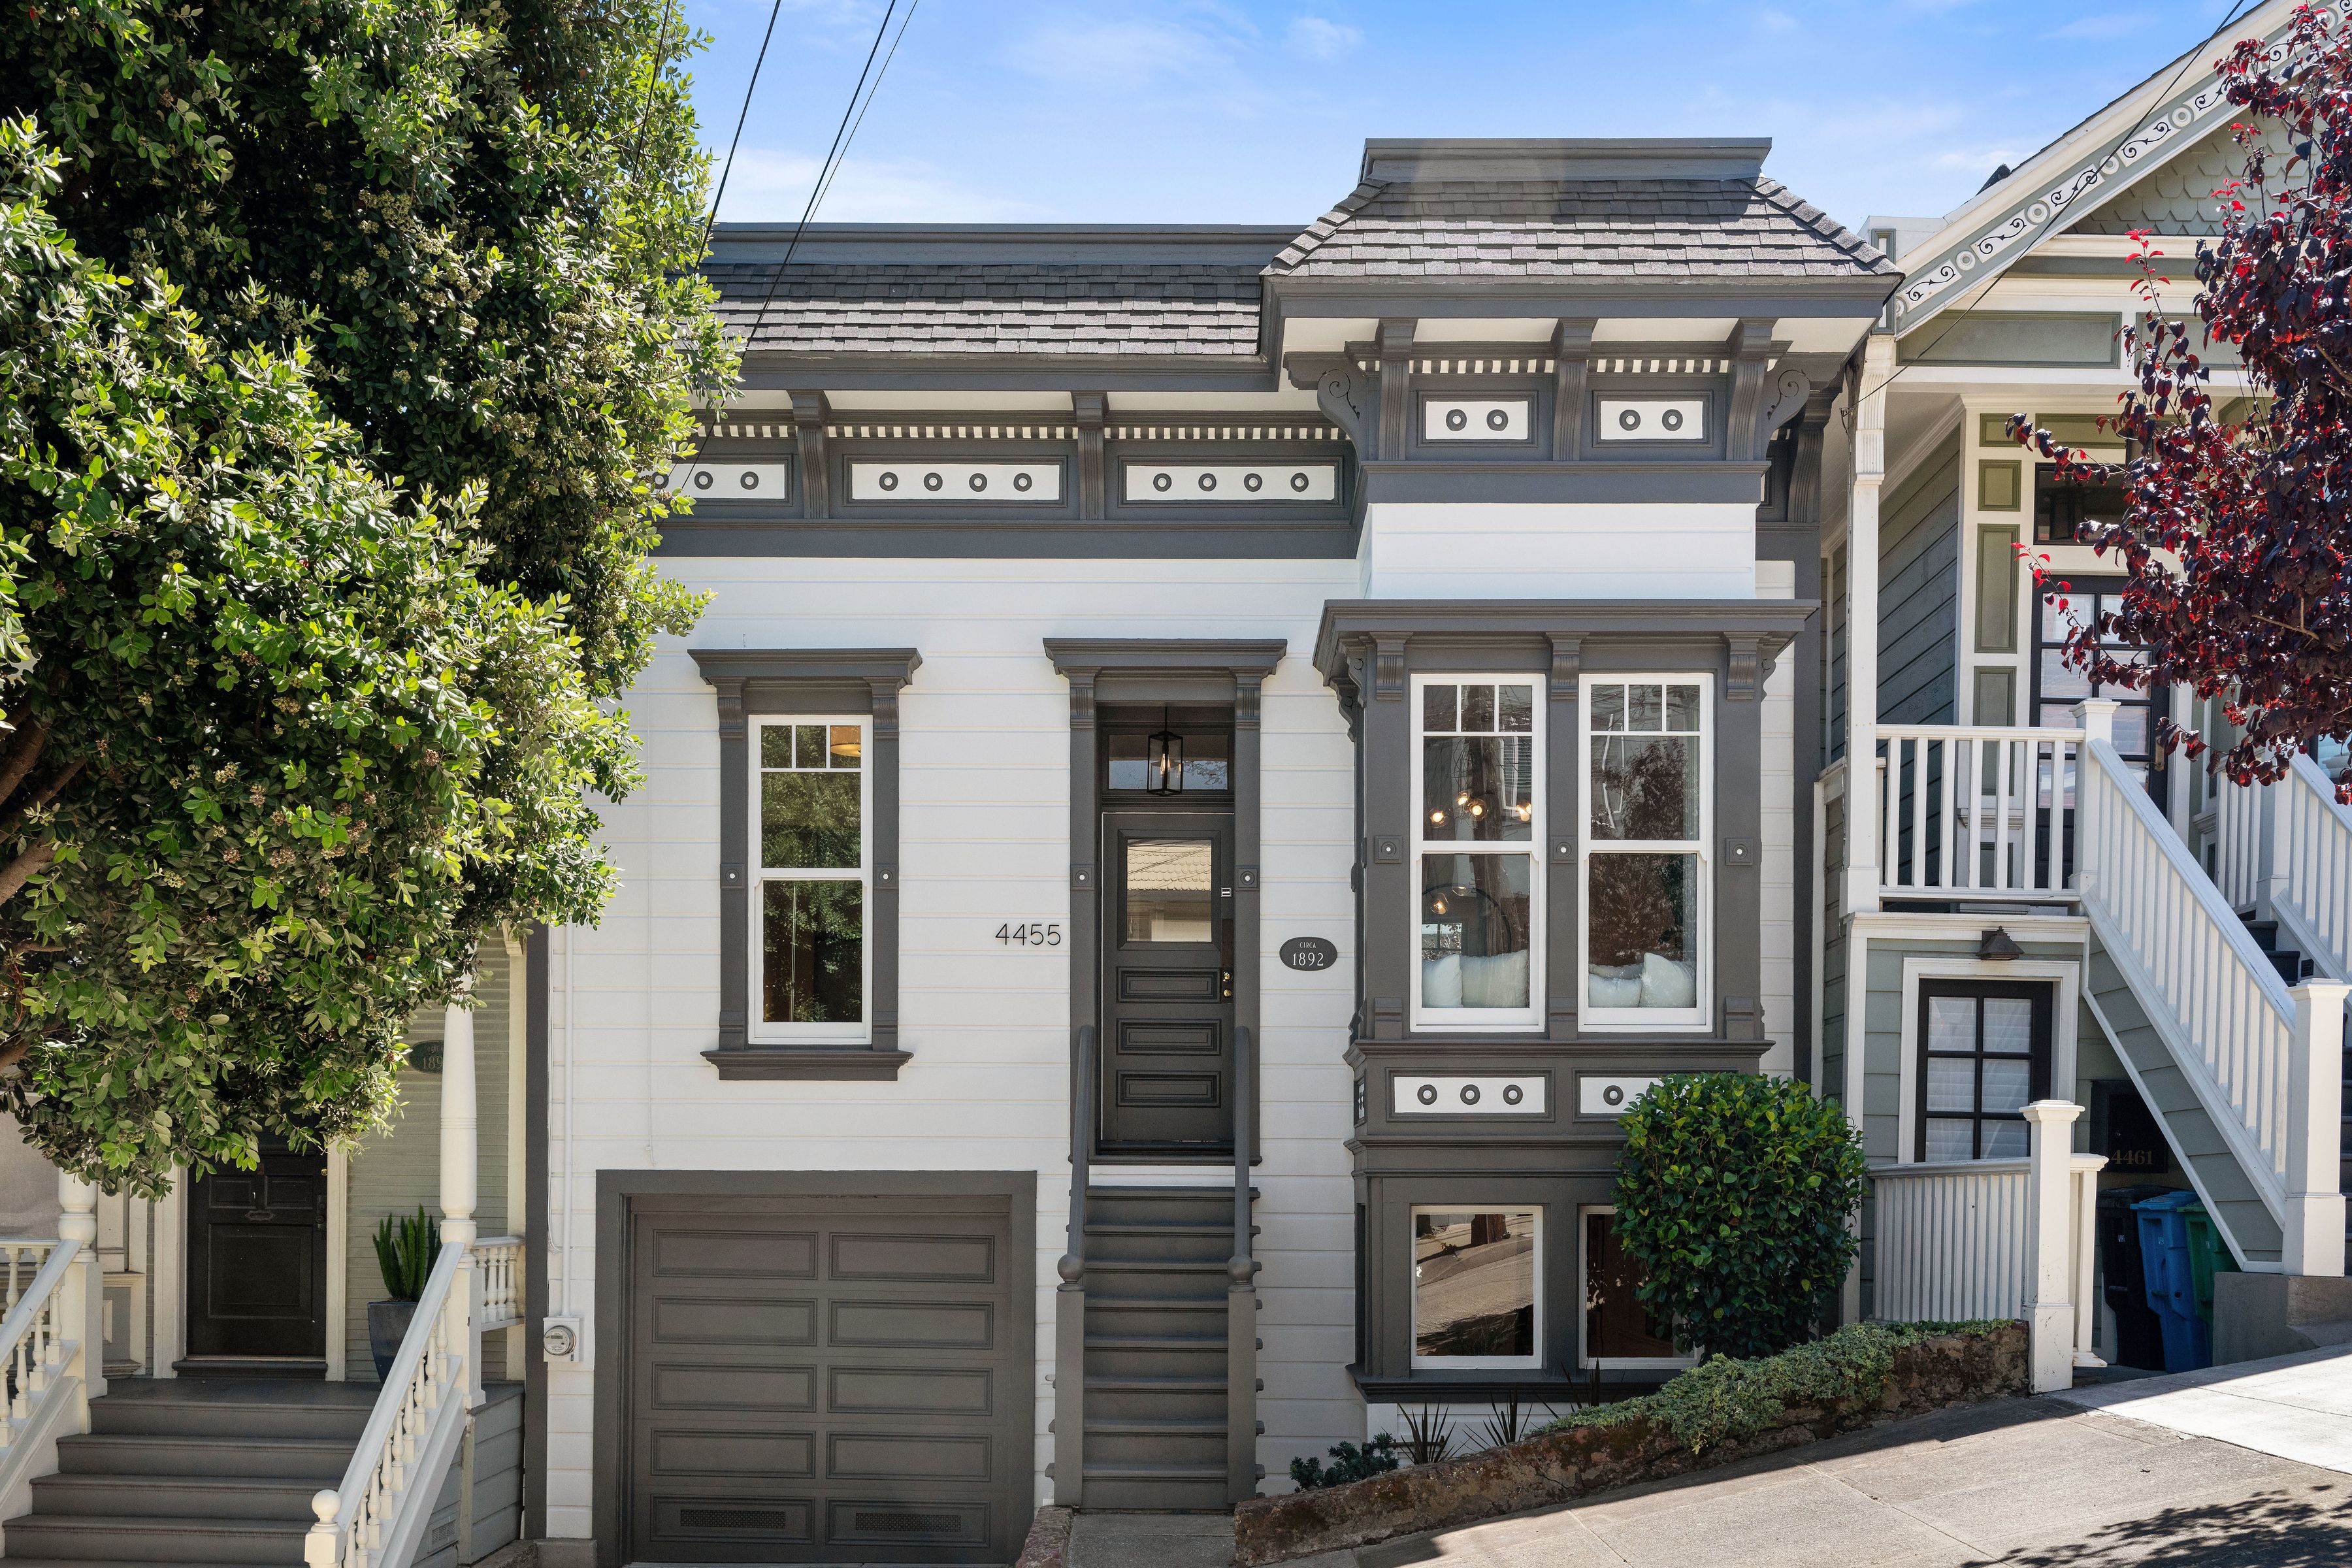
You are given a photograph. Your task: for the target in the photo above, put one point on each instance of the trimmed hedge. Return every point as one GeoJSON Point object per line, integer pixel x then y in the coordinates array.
{"type": "Point", "coordinates": [1734, 1195]}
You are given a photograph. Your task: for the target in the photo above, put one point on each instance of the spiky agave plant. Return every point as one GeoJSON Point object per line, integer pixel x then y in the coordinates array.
{"type": "Point", "coordinates": [407, 1246]}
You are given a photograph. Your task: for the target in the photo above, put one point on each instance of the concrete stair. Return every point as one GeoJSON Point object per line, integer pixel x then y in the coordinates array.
{"type": "Point", "coordinates": [1155, 1365]}
{"type": "Point", "coordinates": [193, 1470]}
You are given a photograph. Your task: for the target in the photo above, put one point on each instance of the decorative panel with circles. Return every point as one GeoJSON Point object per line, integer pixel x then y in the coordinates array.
{"type": "Point", "coordinates": [727, 481]}
{"type": "Point", "coordinates": [1474, 418]}
{"type": "Point", "coordinates": [966, 482]}
{"type": "Point", "coordinates": [1609, 1096]}
{"type": "Point", "coordinates": [1410, 1095]}
{"type": "Point", "coordinates": [1652, 419]}
{"type": "Point", "coordinates": [1196, 483]}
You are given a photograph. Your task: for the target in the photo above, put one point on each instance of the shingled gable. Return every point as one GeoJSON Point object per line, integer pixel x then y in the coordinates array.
{"type": "Point", "coordinates": [1569, 209]}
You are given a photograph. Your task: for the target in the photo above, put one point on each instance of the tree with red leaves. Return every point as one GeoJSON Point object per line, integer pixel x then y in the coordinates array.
{"type": "Point", "coordinates": [2239, 530]}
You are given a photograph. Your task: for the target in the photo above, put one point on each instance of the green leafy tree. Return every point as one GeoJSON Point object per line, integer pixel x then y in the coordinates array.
{"type": "Point", "coordinates": [339, 341]}
{"type": "Point", "coordinates": [1735, 1194]}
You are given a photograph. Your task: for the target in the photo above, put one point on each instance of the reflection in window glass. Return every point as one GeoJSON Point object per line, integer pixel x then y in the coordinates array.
{"type": "Point", "coordinates": [1474, 1285]}
{"type": "Point", "coordinates": [1477, 791]}
{"type": "Point", "coordinates": [1641, 906]}
{"type": "Point", "coordinates": [1475, 914]}
{"type": "Point", "coordinates": [1985, 1056]}
{"type": "Point", "coordinates": [1639, 950]}
{"type": "Point", "coordinates": [1208, 760]}
{"type": "Point", "coordinates": [813, 958]}
{"type": "Point", "coordinates": [1171, 893]}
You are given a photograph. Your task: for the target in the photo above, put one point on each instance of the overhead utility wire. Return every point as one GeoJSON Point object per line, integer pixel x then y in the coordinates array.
{"type": "Point", "coordinates": [843, 135]}
{"type": "Point", "coordinates": [743, 114]}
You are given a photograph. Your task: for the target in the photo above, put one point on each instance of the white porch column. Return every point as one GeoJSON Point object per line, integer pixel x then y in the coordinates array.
{"type": "Point", "coordinates": [81, 1308]}
{"type": "Point", "coordinates": [461, 1164]}
{"type": "Point", "coordinates": [1862, 622]}
{"type": "Point", "coordinates": [2050, 1244]}
{"type": "Point", "coordinates": [2314, 1208]}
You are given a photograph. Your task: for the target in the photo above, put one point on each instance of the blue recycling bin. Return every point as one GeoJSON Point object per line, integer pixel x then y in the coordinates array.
{"type": "Point", "coordinates": [2172, 1280]}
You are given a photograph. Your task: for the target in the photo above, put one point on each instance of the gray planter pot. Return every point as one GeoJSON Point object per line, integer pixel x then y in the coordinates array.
{"type": "Point", "coordinates": [387, 1326]}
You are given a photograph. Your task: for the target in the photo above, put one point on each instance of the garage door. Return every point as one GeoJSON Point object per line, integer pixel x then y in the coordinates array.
{"type": "Point", "coordinates": [840, 1380]}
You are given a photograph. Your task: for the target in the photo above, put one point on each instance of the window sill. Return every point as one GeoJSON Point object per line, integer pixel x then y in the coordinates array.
{"type": "Point", "coordinates": [853, 1064]}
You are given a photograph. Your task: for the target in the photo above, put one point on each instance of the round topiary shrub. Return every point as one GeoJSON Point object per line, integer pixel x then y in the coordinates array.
{"type": "Point", "coordinates": [1734, 1196]}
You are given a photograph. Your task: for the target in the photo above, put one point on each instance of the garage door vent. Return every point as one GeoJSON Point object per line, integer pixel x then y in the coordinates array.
{"type": "Point", "coordinates": [909, 1524]}
{"type": "Point", "coordinates": [738, 1518]}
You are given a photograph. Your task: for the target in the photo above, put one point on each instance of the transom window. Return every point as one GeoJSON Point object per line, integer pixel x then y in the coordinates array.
{"type": "Point", "coordinates": [1644, 832]}
{"type": "Point", "coordinates": [810, 918]}
{"type": "Point", "coordinates": [1986, 1055]}
{"type": "Point", "coordinates": [1475, 1278]}
{"type": "Point", "coordinates": [1479, 819]}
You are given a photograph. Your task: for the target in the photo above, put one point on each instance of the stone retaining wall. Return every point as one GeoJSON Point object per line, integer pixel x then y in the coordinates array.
{"type": "Point", "coordinates": [1927, 1375]}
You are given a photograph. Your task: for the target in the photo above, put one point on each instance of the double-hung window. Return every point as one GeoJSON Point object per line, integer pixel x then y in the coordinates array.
{"type": "Point", "coordinates": [1479, 818]}
{"type": "Point", "coordinates": [811, 909]}
{"type": "Point", "coordinates": [1645, 909]}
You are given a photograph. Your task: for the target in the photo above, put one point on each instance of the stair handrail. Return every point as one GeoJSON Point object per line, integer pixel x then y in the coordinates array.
{"type": "Point", "coordinates": [377, 1517]}
{"type": "Point", "coordinates": [1240, 1292]}
{"type": "Point", "coordinates": [33, 1346]}
{"type": "Point", "coordinates": [2311, 866]}
{"type": "Point", "coordinates": [2262, 1059]}
{"type": "Point", "coordinates": [1069, 1425]}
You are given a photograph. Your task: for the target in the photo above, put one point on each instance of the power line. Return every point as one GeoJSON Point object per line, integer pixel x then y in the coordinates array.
{"type": "Point", "coordinates": [745, 113]}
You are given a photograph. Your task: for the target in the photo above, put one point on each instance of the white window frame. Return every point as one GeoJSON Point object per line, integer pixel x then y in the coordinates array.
{"type": "Point", "coordinates": [2063, 1034]}
{"type": "Point", "coordinates": [1683, 1020]}
{"type": "Point", "coordinates": [759, 1030]}
{"type": "Point", "coordinates": [1413, 1285]}
{"type": "Point", "coordinates": [1584, 1357]}
{"type": "Point", "coordinates": [1482, 1020]}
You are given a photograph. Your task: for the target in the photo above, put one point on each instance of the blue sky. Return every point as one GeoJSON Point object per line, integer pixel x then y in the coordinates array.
{"type": "Point", "coordinates": [1200, 111]}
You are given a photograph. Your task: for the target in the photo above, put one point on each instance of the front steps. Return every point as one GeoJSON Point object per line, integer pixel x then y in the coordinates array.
{"type": "Point", "coordinates": [191, 1470]}
{"type": "Point", "coordinates": [1155, 1347]}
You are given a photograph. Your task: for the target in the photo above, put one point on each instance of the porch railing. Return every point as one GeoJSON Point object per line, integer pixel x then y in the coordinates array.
{"type": "Point", "coordinates": [2265, 1061]}
{"type": "Point", "coordinates": [1975, 812]}
{"type": "Point", "coordinates": [1971, 1239]}
{"type": "Point", "coordinates": [2311, 855]}
{"type": "Point", "coordinates": [377, 1518]}
{"type": "Point", "coordinates": [45, 1340]}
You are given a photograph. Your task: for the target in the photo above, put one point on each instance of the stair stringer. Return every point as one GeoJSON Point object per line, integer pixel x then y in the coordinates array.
{"type": "Point", "coordinates": [2241, 1209]}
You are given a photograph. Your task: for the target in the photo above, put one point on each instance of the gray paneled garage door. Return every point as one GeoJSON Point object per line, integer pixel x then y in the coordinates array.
{"type": "Point", "coordinates": [832, 1379]}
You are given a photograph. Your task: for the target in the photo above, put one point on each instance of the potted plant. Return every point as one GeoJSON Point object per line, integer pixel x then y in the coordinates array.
{"type": "Point", "coordinates": [405, 1249]}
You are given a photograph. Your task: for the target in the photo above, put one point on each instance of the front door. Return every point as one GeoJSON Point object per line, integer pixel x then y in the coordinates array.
{"type": "Point", "coordinates": [1168, 994]}
{"type": "Point", "coordinates": [257, 1259]}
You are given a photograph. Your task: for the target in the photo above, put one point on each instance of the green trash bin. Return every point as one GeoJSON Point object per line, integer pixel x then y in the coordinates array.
{"type": "Point", "coordinates": [2208, 1255]}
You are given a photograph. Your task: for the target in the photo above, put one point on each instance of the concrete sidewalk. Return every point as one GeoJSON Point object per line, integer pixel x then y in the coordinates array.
{"type": "Point", "coordinates": [2034, 1483]}
{"type": "Point", "coordinates": [2294, 1407]}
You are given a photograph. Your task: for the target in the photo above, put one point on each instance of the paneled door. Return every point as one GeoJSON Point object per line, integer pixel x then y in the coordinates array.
{"type": "Point", "coordinates": [258, 1260]}
{"type": "Point", "coordinates": [1167, 992]}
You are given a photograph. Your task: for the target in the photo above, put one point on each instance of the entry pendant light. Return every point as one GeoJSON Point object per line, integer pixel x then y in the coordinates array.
{"type": "Point", "coordinates": [1165, 760]}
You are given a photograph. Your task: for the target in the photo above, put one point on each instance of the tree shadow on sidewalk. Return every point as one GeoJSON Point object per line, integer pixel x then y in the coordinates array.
{"type": "Point", "coordinates": [2278, 1529]}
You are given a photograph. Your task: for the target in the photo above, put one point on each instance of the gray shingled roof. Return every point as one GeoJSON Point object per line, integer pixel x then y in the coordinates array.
{"type": "Point", "coordinates": [1094, 308]}
{"type": "Point", "coordinates": [1712, 229]}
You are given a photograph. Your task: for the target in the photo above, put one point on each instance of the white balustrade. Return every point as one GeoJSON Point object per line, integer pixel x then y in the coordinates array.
{"type": "Point", "coordinates": [377, 1518]}
{"type": "Point", "coordinates": [499, 1261]}
{"type": "Point", "coordinates": [2311, 865]}
{"type": "Point", "coordinates": [37, 1341]}
{"type": "Point", "coordinates": [1975, 811]}
{"type": "Point", "coordinates": [1956, 1240]}
{"type": "Point", "coordinates": [2263, 1060]}
{"type": "Point", "coordinates": [2242, 853]}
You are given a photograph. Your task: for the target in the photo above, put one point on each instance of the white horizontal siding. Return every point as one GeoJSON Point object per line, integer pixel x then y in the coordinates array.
{"type": "Point", "coordinates": [1696, 551]}
{"type": "Point", "coordinates": [985, 838]}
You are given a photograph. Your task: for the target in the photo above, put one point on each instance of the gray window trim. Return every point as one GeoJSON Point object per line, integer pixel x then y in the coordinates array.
{"type": "Point", "coordinates": [1154, 669]}
{"type": "Point", "coordinates": [617, 1190]}
{"type": "Point", "coordinates": [750, 681]}
{"type": "Point", "coordinates": [1368, 650]}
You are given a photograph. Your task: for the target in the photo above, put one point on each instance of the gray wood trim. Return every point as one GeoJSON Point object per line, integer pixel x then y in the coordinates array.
{"type": "Point", "coordinates": [809, 415]}
{"type": "Point", "coordinates": [1240, 667]}
{"type": "Point", "coordinates": [617, 1190]}
{"type": "Point", "coordinates": [750, 681]}
{"type": "Point", "coordinates": [536, 1229]}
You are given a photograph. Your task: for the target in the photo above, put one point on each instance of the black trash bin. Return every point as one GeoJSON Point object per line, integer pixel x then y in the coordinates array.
{"type": "Point", "coordinates": [2139, 1333]}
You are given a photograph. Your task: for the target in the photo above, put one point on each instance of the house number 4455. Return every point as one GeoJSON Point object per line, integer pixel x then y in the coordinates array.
{"type": "Point", "coordinates": [1035, 933]}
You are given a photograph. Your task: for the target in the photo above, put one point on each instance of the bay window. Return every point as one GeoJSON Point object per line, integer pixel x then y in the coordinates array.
{"type": "Point", "coordinates": [1645, 909]}
{"type": "Point", "coordinates": [1479, 817]}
